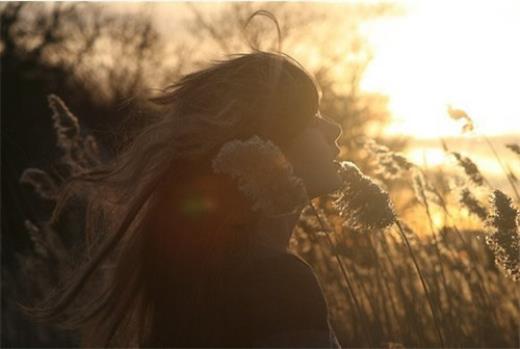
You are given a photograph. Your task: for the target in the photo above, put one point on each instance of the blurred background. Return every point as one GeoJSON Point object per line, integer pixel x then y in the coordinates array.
{"type": "Point", "coordinates": [423, 78]}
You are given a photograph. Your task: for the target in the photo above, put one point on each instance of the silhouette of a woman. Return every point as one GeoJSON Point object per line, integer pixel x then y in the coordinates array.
{"type": "Point", "coordinates": [188, 261]}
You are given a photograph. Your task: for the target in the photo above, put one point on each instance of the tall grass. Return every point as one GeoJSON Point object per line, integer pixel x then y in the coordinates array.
{"type": "Point", "coordinates": [433, 287]}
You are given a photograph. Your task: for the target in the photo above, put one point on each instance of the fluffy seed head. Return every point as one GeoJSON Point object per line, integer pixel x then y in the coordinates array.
{"type": "Point", "coordinates": [390, 165]}
{"type": "Point", "coordinates": [504, 240]}
{"type": "Point", "coordinates": [66, 124]}
{"type": "Point", "coordinates": [515, 148]}
{"type": "Point", "coordinates": [469, 168]}
{"type": "Point", "coordinates": [361, 201]}
{"type": "Point", "coordinates": [263, 174]}
{"type": "Point", "coordinates": [473, 205]}
{"type": "Point", "coordinates": [41, 182]}
{"type": "Point", "coordinates": [459, 114]}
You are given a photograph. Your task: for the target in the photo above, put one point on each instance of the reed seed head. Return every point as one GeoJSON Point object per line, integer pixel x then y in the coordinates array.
{"type": "Point", "coordinates": [41, 182]}
{"type": "Point", "coordinates": [473, 205]}
{"type": "Point", "coordinates": [459, 114]}
{"type": "Point", "coordinates": [390, 165]}
{"type": "Point", "coordinates": [469, 168]}
{"type": "Point", "coordinates": [504, 241]}
{"type": "Point", "coordinates": [515, 148]}
{"type": "Point", "coordinates": [361, 201]}
{"type": "Point", "coordinates": [66, 124]}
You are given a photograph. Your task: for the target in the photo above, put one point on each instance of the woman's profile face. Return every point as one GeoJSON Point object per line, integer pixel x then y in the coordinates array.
{"type": "Point", "coordinates": [312, 153]}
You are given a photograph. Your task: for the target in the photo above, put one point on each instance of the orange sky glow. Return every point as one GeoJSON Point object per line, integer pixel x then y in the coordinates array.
{"type": "Point", "coordinates": [463, 53]}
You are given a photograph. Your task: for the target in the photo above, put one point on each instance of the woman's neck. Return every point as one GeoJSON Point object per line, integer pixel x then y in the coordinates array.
{"type": "Point", "coordinates": [275, 233]}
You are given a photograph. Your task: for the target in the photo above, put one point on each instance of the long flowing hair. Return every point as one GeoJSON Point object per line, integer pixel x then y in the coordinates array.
{"type": "Point", "coordinates": [161, 228]}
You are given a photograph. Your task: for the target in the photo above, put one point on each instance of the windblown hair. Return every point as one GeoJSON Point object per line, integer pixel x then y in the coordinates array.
{"type": "Point", "coordinates": [161, 227]}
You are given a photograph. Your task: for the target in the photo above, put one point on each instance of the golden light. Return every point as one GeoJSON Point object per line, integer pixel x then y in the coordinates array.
{"type": "Point", "coordinates": [463, 53]}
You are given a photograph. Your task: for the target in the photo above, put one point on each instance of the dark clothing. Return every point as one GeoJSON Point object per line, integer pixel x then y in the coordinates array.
{"type": "Point", "coordinates": [275, 301]}
{"type": "Point", "coordinates": [271, 299]}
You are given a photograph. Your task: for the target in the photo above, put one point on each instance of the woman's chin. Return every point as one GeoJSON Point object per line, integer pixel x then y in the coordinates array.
{"type": "Point", "coordinates": [334, 183]}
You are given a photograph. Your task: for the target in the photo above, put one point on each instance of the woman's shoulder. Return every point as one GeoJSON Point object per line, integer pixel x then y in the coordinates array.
{"type": "Point", "coordinates": [276, 264]}
{"type": "Point", "coordinates": [282, 299]}
{"type": "Point", "coordinates": [285, 277]}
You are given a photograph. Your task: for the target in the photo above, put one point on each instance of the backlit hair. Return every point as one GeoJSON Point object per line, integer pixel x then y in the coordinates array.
{"type": "Point", "coordinates": [161, 226]}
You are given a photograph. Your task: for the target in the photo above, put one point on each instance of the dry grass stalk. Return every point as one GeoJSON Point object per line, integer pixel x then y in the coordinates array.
{"type": "Point", "coordinates": [504, 168]}
{"type": "Point", "coordinates": [347, 278]}
{"type": "Point", "coordinates": [423, 283]}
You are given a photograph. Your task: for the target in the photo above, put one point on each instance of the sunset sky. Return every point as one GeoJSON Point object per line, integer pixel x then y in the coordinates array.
{"type": "Point", "coordinates": [464, 53]}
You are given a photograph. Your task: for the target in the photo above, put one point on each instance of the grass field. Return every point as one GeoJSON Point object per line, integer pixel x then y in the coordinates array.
{"type": "Point", "coordinates": [431, 283]}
